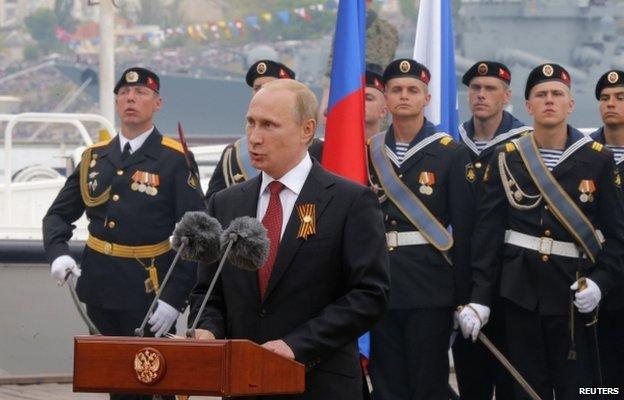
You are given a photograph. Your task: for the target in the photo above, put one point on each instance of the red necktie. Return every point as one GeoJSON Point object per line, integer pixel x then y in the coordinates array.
{"type": "Point", "coordinates": [272, 221]}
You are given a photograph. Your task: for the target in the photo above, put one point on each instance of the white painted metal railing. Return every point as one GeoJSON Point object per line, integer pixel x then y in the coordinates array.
{"type": "Point", "coordinates": [8, 189]}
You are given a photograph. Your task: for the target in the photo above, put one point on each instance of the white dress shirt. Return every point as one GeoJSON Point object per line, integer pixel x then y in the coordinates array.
{"type": "Point", "coordinates": [137, 142]}
{"type": "Point", "coordinates": [293, 181]}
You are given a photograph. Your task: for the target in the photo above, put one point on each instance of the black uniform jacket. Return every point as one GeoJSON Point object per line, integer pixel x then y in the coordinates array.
{"type": "Point", "coordinates": [421, 276]}
{"type": "Point", "coordinates": [228, 172]}
{"type": "Point", "coordinates": [615, 298]}
{"type": "Point", "coordinates": [509, 128]}
{"type": "Point", "coordinates": [529, 279]}
{"type": "Point", "coordinates": [324, 292]}
{"type": "Point", "coordinates": [129, 217]}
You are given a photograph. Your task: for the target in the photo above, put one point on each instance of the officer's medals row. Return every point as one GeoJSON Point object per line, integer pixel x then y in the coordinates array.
{"type": "Point", "coordinates": [145, 182]}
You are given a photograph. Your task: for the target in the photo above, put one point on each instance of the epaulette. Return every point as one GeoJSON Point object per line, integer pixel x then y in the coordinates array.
{"type": "Point", "coordinates": [100, 144]}
{"type": "Point", "coordinates": [509, 147]}
{"type": "Point", "coordinates": [597, 146]}
{"type": "Point", "coordinates": [446, 140]}
{"type": "Point", "coordinates": [172, 144]}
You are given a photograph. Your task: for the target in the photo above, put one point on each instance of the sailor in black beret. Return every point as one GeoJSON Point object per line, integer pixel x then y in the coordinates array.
{"type": "Point", "coordinates": [375, 103]}
{"type": "Point", "coordinates": [610, 93]}
{"type": "Point", "coordinates": [546, 72]}
{"type": "Point", "coordinates": [416, 170]}
{"type": "Point", "coordinates": [264, 71]}
{"type": "Point", "coordinates": [487, 68]}
{"type": "Point", "coordinates": [137, 76]}
{"type": "Point", "coordinates": [613, 78]}
{"type": "Point", "coordinates": [489, 126]}
{"type": "Point", "coordinates": [405, 67]}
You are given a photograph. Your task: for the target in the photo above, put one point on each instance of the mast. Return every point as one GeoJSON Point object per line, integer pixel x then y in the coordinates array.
{"type": "Point", "coordinates": [107, 60]}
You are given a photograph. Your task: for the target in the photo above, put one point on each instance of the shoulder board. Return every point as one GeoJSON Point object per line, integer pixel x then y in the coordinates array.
{"type": "Point", "coordinates": [446, 140]}
{"type": "Point", "coordinates": [509, 147]}
{"type": "Point", "coordinates": [172, 144]}
{"type": "Point", "coordinates": [597, 146]}
{"type": "Point", "coordinates": [100, 144]}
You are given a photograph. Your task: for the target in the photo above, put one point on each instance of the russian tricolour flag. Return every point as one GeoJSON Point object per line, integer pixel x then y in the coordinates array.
{"type": "Point", "coordinates": [344, 150]}
{"type": "Point", "coordinates": [434, 47]}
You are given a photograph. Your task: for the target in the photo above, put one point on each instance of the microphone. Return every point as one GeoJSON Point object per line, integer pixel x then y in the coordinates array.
{"type": "Point", "coordinates": [251, 249]}
{"type": "Point", "coordinates": [245, 245]}
{"type": "Point", "coordinates": [203, 233]}
{"type": "Point", "coordinates": [196, 237]}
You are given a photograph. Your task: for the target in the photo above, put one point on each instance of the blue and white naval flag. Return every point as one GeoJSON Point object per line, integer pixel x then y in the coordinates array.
{"type": "Point", "coordinates": [434, 47]}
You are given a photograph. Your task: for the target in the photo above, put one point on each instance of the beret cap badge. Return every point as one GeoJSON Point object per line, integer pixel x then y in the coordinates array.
{"type": "Point", "coordinates": [132, 77]}
{"type": "Point", "coordinates": [482, 69]}
{"type": "Point", "coordinates": [261, 68]}
{"type": "Point", "coordinates": [613, 77]}
{"type": "Point", "coordinates": [548, 70]}
{"type": "Point", "coordinates": [405, 66]}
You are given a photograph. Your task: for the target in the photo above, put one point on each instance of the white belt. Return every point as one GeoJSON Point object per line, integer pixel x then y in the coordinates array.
{"type": "Point", "coordinates": [396, 239]}
{"type": "Point", "coordinates": [545, 245]}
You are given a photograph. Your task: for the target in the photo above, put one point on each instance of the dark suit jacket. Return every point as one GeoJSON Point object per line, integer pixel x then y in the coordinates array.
{"type": "Point", "coordinates": [323, 293]}
{"type": "Point", "coordinates": [139, 219]}
{"type": "Point", "coordinates": [532, 282]}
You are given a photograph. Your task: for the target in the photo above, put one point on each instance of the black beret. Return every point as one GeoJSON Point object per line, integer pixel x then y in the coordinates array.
{"type": "Point", "coordinates": [405, 67]}
{"type": "Point", "coordinates": [136, 76]}
{"type": "Point", "coordinates": [268, 68]}
{"type": "Point", "coordinates": [374, 78]}
{"type": "Point", "coordinates": [546, 72]}
{"type": "Point", "coordinates": [487, 68]}
{"type": "Point", "coordinates": [609, 79]}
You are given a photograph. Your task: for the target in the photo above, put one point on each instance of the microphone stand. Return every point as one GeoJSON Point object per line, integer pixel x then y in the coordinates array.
{"type": "Point", "coordinates": [190, 333]}
{"type": "Point", "coordinates": [140, 331]}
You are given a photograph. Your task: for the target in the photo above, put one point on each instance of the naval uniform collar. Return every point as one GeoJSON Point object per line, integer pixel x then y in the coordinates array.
{"type": "Point", "coordinates": [508, 128]}
{"type": "Point", "coordinates": [428, 134]}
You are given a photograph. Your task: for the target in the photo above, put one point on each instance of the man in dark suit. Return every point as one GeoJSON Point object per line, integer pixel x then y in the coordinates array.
{"type": "Point", "coordinates": [133, 189]}
{"type": "Point", "coordinates": [234, 165]}
{"type": "Point", "coordinates": [551, 207]}
{"type": "Point", "coordinates": [317, 292]}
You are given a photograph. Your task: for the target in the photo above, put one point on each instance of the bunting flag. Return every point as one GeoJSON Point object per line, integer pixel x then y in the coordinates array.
{"type": "Point", "coordinates": [434, 48]}
{"type": "Point", "coordinates": [344, 150]}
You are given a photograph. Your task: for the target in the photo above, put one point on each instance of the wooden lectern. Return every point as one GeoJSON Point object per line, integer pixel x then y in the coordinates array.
{"type": "Point", "coordinates": [182, 366]}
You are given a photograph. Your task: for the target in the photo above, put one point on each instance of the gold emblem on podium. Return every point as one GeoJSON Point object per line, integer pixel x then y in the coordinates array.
{"type": "Point", "coordinates": [149, 365]}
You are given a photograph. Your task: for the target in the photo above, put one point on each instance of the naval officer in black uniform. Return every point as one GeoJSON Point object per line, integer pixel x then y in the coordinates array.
{"type": "Point", "coordinates": [610, 94]}
{"type": "Point", "coordinates": [552, 208]}
{"type": "Point", "coordinates": [133, 188]}
{"type": "Point", "coordinates": [424, 180]}
{"type": "Point", "coordinates": [234, 165]}
{"type": "Point", "coordinates": [478, 372]}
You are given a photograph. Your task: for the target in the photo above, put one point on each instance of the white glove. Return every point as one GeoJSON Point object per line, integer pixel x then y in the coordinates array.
{"type": "Point", "coordinates": [472, 318]}
{"type": "Point", "coordinates": [587, 299]}
{"type": "Point", "coordinates": [61, 265]}
{"type": "Point", "coordinates": [162, 319]}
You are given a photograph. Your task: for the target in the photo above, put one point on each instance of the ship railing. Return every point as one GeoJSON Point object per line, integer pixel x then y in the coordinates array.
{"type": "Point", "coordinates": [23, 203]}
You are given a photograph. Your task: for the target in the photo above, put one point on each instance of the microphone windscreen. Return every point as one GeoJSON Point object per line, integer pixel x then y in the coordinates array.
{"type": "Point", "coordinates": [251, 248]}
{"type": "Point", "coordinates": [203, 233]}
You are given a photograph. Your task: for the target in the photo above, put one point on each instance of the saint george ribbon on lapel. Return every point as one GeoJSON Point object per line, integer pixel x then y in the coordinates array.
{"type": "Point", "coordinates": [272, 221]}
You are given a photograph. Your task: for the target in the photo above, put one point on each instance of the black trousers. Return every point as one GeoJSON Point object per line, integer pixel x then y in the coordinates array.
{"type": "Point", "coordinates": [479, 373]}
{"type": "Point", "coordinates": [538, 347]}
{"type": "Point", "coordinates": [121, 323]}
{"type": "Point", "coordinates": [409, 354]}
{"type": "Point", "coordinates": [611, 343]}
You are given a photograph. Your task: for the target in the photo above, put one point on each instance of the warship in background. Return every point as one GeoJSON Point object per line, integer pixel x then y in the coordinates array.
{"type": "Point", "coordinates": [39, 321]}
